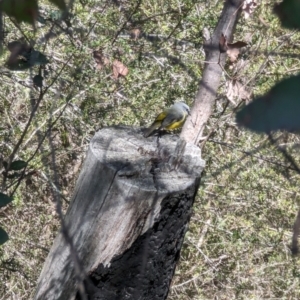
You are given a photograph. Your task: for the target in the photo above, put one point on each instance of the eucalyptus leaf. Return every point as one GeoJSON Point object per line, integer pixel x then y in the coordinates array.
{"type": "Point", "coordinates": [38, 58]}
{"type": "Point", "coordinates": [288, 12]}
{"type": "Point", "coordinates": [277, 110]}
{"type": "Point", "coordinates": [18, 165]}
{"type": "Point", "coordinates": [38, 80]}
{"type": "Point", "coordinates": [4, 199]}
{"type": "Point", "coordinates": [3, 236]}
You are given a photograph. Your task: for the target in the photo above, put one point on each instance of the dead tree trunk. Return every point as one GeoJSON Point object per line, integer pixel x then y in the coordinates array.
{"type": "Point", "coordinates": [127, 219]}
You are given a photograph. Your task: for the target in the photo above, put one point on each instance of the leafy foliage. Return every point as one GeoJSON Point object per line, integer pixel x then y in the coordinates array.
{"type": "Point", "coordinates": [278, 109]}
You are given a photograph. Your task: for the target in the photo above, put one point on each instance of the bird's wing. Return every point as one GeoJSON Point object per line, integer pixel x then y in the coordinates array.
{"type": "Point", "coordinates": [161, 116]}
{"type": "Point", "coordinates": [174, 115]}
{"type": "Point", "coordinates": [155, 125]}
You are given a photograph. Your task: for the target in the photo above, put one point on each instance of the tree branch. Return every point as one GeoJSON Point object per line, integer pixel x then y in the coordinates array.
{"type": "Point", "coordinates": [209, 84]}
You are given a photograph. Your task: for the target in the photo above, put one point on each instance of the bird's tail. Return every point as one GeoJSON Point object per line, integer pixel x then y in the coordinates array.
{"type": "Point", "coordinates": [152, 129]}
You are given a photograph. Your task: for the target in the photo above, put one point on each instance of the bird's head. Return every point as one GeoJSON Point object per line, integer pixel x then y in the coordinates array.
{"type": "Point", "coordinates": [184, 107]}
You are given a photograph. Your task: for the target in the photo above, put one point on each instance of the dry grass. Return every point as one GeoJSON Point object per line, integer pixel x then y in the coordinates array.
{"type": "Point", "coordinates": [238, 243]}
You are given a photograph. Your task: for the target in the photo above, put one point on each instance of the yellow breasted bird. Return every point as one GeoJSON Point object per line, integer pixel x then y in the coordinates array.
{"type": "Point", "coordinates": [170, 118]}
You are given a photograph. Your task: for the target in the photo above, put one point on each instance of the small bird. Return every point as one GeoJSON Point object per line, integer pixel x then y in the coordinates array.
{"type": "Point", "coordinates": [170, 118]}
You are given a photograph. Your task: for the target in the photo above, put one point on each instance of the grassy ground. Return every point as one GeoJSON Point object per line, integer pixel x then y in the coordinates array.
{"type": "Point", "coordinates": [237, 246]}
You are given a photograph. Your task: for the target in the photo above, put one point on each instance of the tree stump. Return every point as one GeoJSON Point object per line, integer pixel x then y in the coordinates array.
{"type": "Point", "coordinates": [127, 218]}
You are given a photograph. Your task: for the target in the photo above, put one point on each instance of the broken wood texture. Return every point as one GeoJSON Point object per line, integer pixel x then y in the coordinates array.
{"type": "Point", "coordinates": [127, 218]}
{"type": "Point", "coordinates": [209, 84]}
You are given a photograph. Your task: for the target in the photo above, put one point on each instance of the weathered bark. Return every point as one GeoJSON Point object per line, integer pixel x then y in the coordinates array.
{"type": "Point", "coordinates": [127, 219]}
{"type": "Point", "coordinates": [209, 84]}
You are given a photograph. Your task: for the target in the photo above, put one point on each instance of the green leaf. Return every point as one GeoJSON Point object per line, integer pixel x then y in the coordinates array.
{"type": "Point", "coordinates": [278, 109]}
{"type": "Point", "coordinates": [34, 58]}
{"type": "Point", "coordinates": [59, 3]}
{"type": "Point", "coordinates": [38, 80]}
{"type": "Point", "coordinates": [19, 65]}
{"type": "Point", "coordinates": [38, 58]}
{"type": "Point", "coordinates": [19, 48]}
{"type": "Point", "coordinates": [288, 12]}
{"type": "Point", "coordinates": [41, 20]}
{"type": "Point", "coordinates": [21, 10]}
{"type": "Point", "coordinates": [18, 165]}
{"type": "Point", "coordinates": [20, 53]}
{"type": "Point", "coordinates": [3, 236]}
{"type": "Point", "coordinates": [4, 199]}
